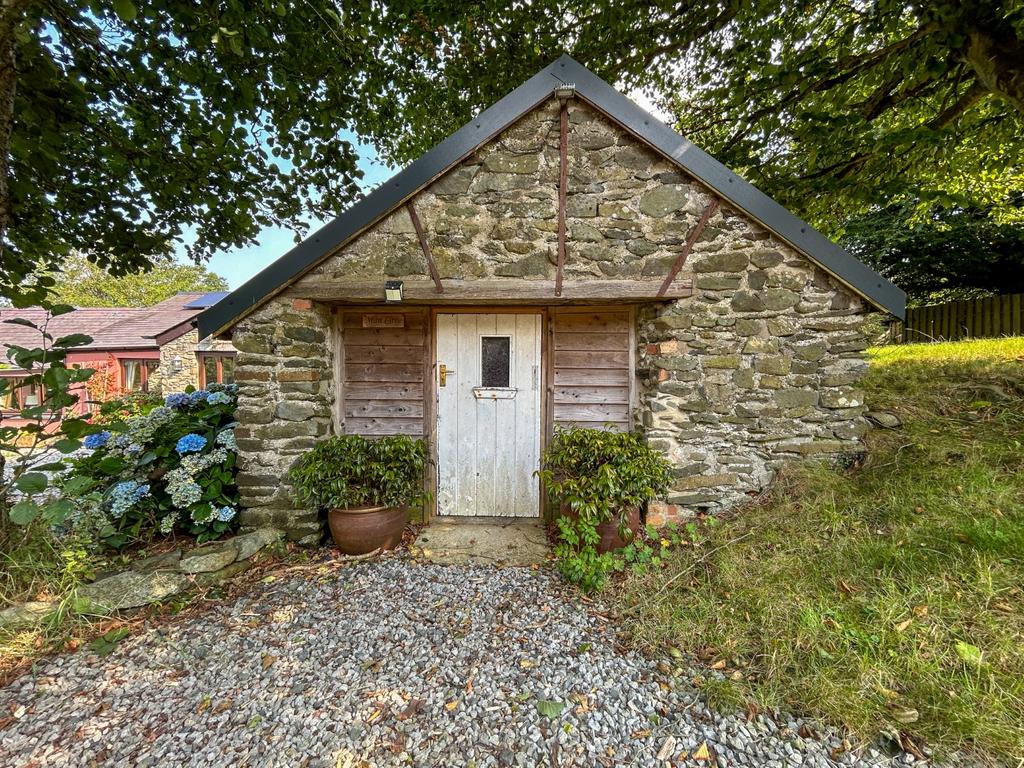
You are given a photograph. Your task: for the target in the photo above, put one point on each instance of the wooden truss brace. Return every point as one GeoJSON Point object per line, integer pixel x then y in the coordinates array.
{"type": "Point", "coordinates": [563, 182]}
{"type": "Point", "coordinates": [431, 267]}
{"type": "Point", "coordinates": [681, 258]}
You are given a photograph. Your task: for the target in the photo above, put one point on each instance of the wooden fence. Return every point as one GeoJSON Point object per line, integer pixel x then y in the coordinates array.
{"type": "Point", "coordinates": [970, 319]}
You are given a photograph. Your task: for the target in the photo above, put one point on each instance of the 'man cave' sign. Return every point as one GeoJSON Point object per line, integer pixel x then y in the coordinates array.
{"type": "Point", "coordinates": [389, 320]}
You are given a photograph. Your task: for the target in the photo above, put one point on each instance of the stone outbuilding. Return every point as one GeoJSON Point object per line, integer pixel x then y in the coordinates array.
{"type": "Point", "coordinates": [564, 258]}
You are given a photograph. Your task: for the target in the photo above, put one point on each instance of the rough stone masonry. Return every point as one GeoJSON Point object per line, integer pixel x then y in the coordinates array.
{"type": "Point", "coordinates": [758, 366]}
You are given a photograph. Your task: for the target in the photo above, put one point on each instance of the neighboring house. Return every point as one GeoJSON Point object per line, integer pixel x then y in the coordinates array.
{"type": "Point", "coordinates": [149, 349]}
{"type": "Point", "coordinates": [564, 258]}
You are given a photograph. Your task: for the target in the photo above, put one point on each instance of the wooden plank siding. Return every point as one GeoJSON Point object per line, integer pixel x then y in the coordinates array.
{"type": "Point", "coordinates": [592, 381]}
{"type": "Point", "coordinates": [988, 317]}
{"type": "Point", "coordinates": [383, 374]}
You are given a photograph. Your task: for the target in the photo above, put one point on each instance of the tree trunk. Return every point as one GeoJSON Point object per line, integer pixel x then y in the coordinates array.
{"type": "Point", "coordinates": [10, 17]}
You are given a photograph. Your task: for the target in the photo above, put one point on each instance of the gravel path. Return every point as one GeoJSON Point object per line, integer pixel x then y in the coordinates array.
{"type": "Point", "coordinates": [382, 664]}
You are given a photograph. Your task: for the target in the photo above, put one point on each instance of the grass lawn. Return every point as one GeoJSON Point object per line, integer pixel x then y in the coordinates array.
{"type": "Point", "coordinates": [884, 598]}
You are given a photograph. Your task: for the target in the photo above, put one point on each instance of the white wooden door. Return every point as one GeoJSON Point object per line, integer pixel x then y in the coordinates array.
{"type": "Point", "coordinates": [488, 377]}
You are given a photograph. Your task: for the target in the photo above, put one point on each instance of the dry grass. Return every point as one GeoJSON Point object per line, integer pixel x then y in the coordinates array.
{"type": "Point", "coordinates": [863, 596]}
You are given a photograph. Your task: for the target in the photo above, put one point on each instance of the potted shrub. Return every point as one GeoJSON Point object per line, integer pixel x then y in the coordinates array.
{"type": "Point", "coordinates": [599, 481]}
{"type": "Point", "coordinates": [365, 486]}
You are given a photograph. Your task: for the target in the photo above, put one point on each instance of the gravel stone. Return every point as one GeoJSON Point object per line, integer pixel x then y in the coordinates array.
{"type": "Point", "coordinates": [388, 663]}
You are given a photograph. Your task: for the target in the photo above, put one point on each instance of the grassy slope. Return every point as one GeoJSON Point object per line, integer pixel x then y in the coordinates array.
{"type": "Point", "coordinates": [844, 594]}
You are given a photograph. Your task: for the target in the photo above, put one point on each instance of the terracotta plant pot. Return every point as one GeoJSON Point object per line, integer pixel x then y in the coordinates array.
{"type": "Point", "coordinates": [609, 531]}
{"type": "Point", "coordinates": [359, 530]}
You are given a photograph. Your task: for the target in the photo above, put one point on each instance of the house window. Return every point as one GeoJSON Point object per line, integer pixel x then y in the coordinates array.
{"type": "Point", "coordinates": [19, 395]}
{"type": "Point", "coordinates": [495, 361]}
{"type": "Point", "coordinates": [135, 374]}
{"type": "Point", "coordinates": [216, 368]}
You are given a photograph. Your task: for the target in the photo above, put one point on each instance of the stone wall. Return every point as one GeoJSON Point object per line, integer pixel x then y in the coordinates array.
{"type": "Point", "coordinates": [284, 371]}
{"type": "Point", "coordinates": [182, 349]}
{"type": "Point", "coordinates": [758, 366]}
{"type": "Point", "coordinates": [628, 210]}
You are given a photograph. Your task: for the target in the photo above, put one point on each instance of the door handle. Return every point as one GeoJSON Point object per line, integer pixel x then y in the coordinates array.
{"type": "Point", "coordinates": [443, 372]}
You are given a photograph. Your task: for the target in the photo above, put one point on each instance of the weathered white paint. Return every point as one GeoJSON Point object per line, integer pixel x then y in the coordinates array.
{"type": "Point", "coordinates": [488, 439]}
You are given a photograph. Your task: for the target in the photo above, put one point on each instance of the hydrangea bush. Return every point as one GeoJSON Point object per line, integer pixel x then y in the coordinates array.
{"type": "Point", "coordinates": [172, 468]}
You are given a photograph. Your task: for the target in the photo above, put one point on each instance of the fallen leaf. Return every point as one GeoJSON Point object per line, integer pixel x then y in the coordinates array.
{"type": "Point", "coordinates": [905, 715]}
{"type": "Point", "coordinates": [720, 664]}
{"type": "Point", "coordinates": [223, 705]}
{"type": "Point", "coordinates": [911, 745]}
{"type": "Point", "coordinates": [268, 660]}
{"type": "Point", "coordinates": [204, 704]}
{"type": "Point", "coordinates": [904, 624]}
{"type": "Point", "coordinates": [451, 705]}
{"type": "Point", "coordinates": [527, 664]}
{"type": "Point", "coordinates": [414, 706]}
{"type": "Point", "coordinates": [920, 611]}
{"type": "Point", "coordinates": [846, 587]}
{"type": "Point", "coordinates": [667, 749]}
{"type": "Point", "coordinates": [703, 752]}
{"type": "Point", "coordinates": [969, 654]}
{"type": "Point", "coordinates": [549, 708]}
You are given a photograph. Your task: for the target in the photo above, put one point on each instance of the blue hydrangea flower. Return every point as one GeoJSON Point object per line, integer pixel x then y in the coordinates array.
{"type": "Point", "coordinates": [177, 400]}
{"type": "Point", "coordinates": [184, 495]}
{"type": "Point", "coordinates": [198, 397]}
{"type": "Point", "coordinates": [97, 440]}
{"type": "Point", "coordinates": [190, 443]}
{"type": "Point", "coordinates": [226, 438]}
{"type": "Point", "coordinates": [225, 514]}
{"type": "Point", "coordinates": [218, 398]}
{"type": "Point", "coordinates": [125, 495]}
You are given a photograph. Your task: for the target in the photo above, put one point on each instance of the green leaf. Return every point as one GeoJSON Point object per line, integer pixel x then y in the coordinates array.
{"type": "Point", "coordinates": [32, 482]}
{"type": "Point", "coordinates": [56, 512]}
{"type": "Point", "coordinates": [550, 709]}
{"type": "Point", "coordinates": [73, 340]}
{"type": "Point", "coordinates": [77, 485]}
{"type": "Point", "coordinates": [104, 644]}
{"type": "Point", "coordinates": [110, 465]}
{"type": "Point", "coordinates": [125, 10]}
{"type": "Point", "coordinates": [67, 445]}
{"type": "Point", "coordinates": [970, 655]}
{"type": "Point", "coordinates": [24, 512]}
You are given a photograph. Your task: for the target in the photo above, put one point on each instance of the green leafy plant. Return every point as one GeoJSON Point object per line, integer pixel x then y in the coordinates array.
{"type": "Point", "coordinates": [169, 468]}
{"type": "Point", "coordinates": [596, 477]}
{"type": "Point", "coordinates": [349, 470]}
{"type": "Point", "coordinates": [30, 434]}
{"type": "Point", "coordinates": [127, 405]}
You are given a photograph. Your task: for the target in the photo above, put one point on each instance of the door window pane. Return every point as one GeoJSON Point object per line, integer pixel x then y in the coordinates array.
{"type": "Point", "coordinates": [227, 364]}
{"type": "Point", "coordinates": [495, 361]}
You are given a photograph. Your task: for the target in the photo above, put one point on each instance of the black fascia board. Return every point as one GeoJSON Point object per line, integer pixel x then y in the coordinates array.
{"type": "Point", "coordinates": [492, 121]}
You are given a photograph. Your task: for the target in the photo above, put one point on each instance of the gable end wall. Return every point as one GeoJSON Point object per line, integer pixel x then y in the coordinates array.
{"type": "Point", "coordinates": [758, 366]}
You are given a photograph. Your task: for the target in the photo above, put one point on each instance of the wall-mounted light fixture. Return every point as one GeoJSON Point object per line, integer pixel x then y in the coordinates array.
{"type": "Point", "coordinates": [393, 291]}
{"type": "Point", "coordinates": [566, 91]}
{"type": "Point", "coordinates": [175, 365]}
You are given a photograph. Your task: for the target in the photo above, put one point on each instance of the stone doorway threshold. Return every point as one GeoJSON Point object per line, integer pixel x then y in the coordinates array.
{"type": "Point", "coordinates": [484, 541]}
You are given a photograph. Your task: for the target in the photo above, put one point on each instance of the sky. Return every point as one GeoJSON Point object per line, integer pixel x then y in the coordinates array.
{"type": "Point", "coordinates": [238, 265]}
